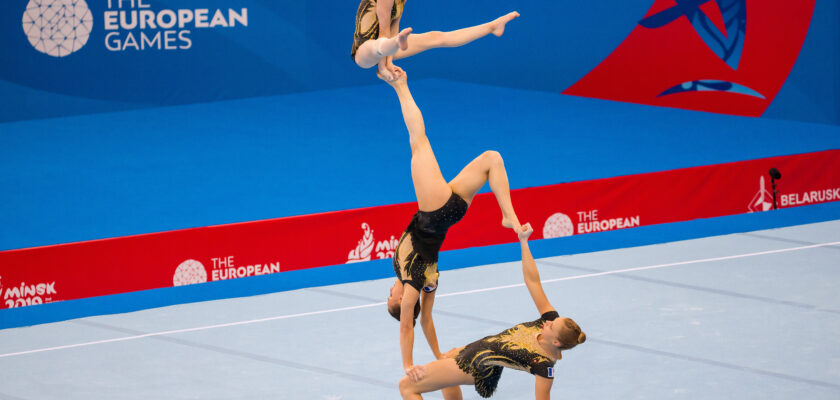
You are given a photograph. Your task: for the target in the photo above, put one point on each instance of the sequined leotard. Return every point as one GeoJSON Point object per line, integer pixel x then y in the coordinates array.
{"type": "Point", "coordinates": [367, 25]}
{"type": "Point", "coordinates": [416, 256]}
{"type": "Point", "coordinates": [516, 348]}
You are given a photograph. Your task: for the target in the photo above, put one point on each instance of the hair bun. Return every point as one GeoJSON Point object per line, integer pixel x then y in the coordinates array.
{"type": "Point", "coordinates": [581, 337]}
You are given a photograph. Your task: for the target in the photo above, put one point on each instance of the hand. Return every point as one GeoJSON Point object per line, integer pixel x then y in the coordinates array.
{"type": "Point", "coordinates": [399, 80]}
{"type": "Point", "coordinates": [415, 372]}
{"type": "Point", "coordinates": [450, 354]}
{"type": "Point", "coordinates": [387, 71]}
{"type": "Point", "coordinates": [525, 232]}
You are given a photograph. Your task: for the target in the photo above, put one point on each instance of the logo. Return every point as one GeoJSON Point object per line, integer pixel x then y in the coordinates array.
{"type": "Point", "coordinates": [365, 247]}
{"type": "Point", "coordinates": [590, 221]}
{"type": "Point", "coordinates": [189, 272]}
{"type": "Point", "coordinates": [763, 200]}
{"type": "Point", "coordinates": [558, 225]}
{"type": "Point", "coordinates": [226, 268]}
{"type": "Point", "coordinates": [814, 196]}
{"type": "Point", "coordinates": [137, 25]}
{"type": "Point", "coordinates": [699, 55]}
{"type": "Point", "coordinates": [28, 294]}
{"type": "Point", "coordinates": [550, 372]}
{"type": "Point", "coordinates": [57, 27]}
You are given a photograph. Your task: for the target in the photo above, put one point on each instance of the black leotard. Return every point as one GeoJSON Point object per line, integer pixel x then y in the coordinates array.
{"type": "Point", "coordinates": [416, 256]}
{"type": "Point", "coordinates": [516, 348]}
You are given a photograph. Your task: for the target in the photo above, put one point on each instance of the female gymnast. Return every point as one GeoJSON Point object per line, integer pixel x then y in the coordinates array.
{"type": "Point", "coordinates": [530, 346]}
{"type": "Point", "coordinates": [375, 43]}
{"type": "Point", "coordinates": [440, 205]}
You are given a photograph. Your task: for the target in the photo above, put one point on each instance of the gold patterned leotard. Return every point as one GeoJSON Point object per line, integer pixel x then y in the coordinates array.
{"type": "Point", "coordinates": [515, 348]}
{"type": "Point", "coordinates": [416, 256]}
{"type": "Point", "coordinates": [367, 25]}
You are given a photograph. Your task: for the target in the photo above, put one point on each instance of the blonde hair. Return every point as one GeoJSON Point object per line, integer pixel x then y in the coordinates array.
{"type": "Point", "coordinates": [571, 336]}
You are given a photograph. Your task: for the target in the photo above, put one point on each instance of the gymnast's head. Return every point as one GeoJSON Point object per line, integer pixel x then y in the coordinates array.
{"type": "Point", "coordinates": [394, 302]}
{"type": "Point", "coordinates": [564, 333]}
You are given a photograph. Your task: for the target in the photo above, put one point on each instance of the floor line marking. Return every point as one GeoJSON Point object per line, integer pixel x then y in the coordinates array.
{"type": "Point", "coordinates": [288, 316]}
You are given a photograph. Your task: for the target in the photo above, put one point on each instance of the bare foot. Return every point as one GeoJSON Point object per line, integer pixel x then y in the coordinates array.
{"type": "Point", "coordinates": [498, 25]}
{"type": "Point", "coordinates": [512, 224]}
{"type": "Point", "coordinates": [402, 38]}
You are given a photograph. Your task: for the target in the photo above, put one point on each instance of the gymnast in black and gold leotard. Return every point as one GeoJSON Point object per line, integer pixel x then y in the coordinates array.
{"type": "Point", "coordinates": [516, 348]}
{"type": "Point", "coordinates": [367, 24]}
{"type": "Point", "coordinates": [380, 43]}
{"type": "Point", "coordinates": [533, 347]}
{"type": "Point", "coordinates": [440, 205]}
{"type": "Point", "coordinates": [416, 256]}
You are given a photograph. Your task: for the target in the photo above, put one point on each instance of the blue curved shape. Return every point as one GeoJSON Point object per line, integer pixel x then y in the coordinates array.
{"type": "Point", "coordinates": [686, 8]}
{"type": "Point", "coordinates": [730, 45]}
{"type": "Point", "coordinates": [712, 86]}
{"type": "Point", "coordinates": [727, 45]}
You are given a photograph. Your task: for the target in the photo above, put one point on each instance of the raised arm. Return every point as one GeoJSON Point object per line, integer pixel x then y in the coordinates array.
{"type": "Point", "coordinates": [383, 16]}
{"type": "Point", "coordinates": [531, 274]}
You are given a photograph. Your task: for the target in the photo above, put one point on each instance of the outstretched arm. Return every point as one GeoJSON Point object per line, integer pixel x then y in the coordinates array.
{"type": "Point", "coordinates": [383, 16]}
{"type": "Point", "coordinates": [542, 388]}
{"type": "Point", "coordinates": [409, 299]}
{"type": "Point", "coordinates": [531, 274]}
{"type": "Point", "coordinates": [427, 301]}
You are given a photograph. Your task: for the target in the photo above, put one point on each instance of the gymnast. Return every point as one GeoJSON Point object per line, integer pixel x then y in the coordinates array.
{"type": "Point", "coordinates": [375, 43]}
{"type": "Point", "coordinates": [440, 205]}
{"type": "Point", "coordinates": [533, 347]}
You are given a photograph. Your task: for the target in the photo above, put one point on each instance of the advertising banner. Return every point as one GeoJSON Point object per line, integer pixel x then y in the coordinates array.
{"type": "Point", "coordinates": [117, 265]}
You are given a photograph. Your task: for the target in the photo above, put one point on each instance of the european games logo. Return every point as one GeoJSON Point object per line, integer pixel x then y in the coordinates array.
{"type": "Point", "coordinates": [57, 27]}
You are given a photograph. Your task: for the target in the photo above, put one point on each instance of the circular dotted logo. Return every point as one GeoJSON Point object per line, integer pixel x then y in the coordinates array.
{"type": "Point", "coordinates": [558, 225]}
{"type": "Point", "coordinates": [189, 272]}
{"type": "Point", "coordinates": [57, 27]}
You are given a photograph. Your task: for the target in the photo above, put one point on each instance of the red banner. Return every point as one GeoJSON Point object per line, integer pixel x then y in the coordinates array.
{"type": "Point", "coordinates": [109, 266]}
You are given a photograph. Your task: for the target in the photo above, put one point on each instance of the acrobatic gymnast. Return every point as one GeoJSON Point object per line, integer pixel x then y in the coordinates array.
{"type": "Point", "coordinates": [533, 347]}
{"type": "Point", "coordinates": [375, 43]}
{"type": "Point", "coordinates": [440, 205]}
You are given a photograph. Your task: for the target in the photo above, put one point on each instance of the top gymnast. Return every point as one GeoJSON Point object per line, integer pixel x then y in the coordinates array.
{"type": "Point", "coordinates": [530, 346]}
{"type": "Point", "coordinates": [377, 43]}
{"type": "Point", "coordinates": [440, 205]}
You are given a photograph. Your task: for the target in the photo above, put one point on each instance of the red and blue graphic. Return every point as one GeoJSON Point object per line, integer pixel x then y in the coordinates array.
{"type": "Point", "coordinates": [725, 56]}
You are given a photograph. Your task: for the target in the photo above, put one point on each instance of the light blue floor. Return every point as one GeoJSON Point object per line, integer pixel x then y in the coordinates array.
{"type": "Point", "coordinates": [746, 316]}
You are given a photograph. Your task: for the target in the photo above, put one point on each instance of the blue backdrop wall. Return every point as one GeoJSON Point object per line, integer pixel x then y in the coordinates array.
{"type": "Point", "coordinates": [262, 47]}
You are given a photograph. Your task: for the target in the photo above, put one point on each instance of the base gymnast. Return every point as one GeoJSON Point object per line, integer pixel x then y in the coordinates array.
{"type": "Point", "coordinates": [533, 347]}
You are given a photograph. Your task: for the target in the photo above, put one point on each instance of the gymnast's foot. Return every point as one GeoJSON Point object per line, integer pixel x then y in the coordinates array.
{"type": "Point", "coordinates": [402, 38]}
{"type": "Point", "coordinates": [497, 27]}
{"type": "Point", "coordinates": [512, 224]}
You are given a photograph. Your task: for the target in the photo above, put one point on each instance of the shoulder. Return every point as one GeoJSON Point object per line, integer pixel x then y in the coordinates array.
{"type": "Point", "coordinates": [549, 316]}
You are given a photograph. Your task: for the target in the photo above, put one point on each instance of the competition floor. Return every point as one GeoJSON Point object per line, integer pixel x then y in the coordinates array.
{"type": "Point", "coordinates": [748, 316]}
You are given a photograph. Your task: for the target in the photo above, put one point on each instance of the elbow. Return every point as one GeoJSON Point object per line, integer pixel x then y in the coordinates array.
{"type": "Point", "coordinates": [406, 326]}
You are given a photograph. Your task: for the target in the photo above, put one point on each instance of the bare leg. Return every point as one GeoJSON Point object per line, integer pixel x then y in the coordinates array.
{"type": "Point", "coordinates": [488, 167]}
{"type": "Point", "coordinates": [372, 51]}
{"type": "Point", "coordinates": [431, 189]}
{"type": "Point", "coordinates": [431, 40]}
{"type": "Point", "coordinates": [440, 374]}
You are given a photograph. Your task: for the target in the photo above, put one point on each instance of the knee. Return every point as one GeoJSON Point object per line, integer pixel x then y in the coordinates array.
{"type": "Point", "coordinates": [406, 387]}
{"type": "Point", "coordinates": [493, 157]}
